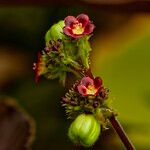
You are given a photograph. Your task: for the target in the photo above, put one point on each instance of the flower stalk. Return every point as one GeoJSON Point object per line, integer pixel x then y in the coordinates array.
{"type": "Point", "coordinates": [121, 133]}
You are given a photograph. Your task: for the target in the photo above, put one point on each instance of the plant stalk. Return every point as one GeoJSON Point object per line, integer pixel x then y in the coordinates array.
{"type": "Point", "coordinates": [121, 133]}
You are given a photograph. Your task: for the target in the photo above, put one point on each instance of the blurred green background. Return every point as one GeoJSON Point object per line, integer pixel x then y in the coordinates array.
{"type": "Point", "coordinates": [121, 56]}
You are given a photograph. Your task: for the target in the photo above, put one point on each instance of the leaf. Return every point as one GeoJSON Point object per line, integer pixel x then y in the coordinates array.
{"type": "Point", "coordinates": [84, 50]}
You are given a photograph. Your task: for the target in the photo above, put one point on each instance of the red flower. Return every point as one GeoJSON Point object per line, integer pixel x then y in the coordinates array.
{"type": "Point", "coordinates": [89, 86]}
{"type": "Point", "coordinates": [39, 67]}
{"type": "Point", "coordinates": [78, 27]}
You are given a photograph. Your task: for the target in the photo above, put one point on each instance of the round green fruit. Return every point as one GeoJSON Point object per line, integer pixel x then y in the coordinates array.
{"type": "Point", "coordinates": [84, 130]}
{"type": "Point", "coordinates": [55, 32]}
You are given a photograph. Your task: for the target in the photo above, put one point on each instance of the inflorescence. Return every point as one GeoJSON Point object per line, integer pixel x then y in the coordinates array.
{"type": "Point", "coordinates": [67, 51]}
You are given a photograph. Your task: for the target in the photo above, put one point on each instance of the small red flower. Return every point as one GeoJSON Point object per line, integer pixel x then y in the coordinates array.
{"type": "Point", "coordinates": [39, 67]}
{"type": "Point", "coordinates": [79, 26]}
{"type": "Point", "coordinates": [89, 86]}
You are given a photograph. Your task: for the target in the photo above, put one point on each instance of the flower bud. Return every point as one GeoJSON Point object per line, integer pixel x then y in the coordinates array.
{"type": "Point", "coordinates": [55, 32]}
{"type": "Point", "coordinates": [84, 130]}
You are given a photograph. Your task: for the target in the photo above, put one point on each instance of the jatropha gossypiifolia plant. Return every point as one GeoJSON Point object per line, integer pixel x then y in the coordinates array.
{"type": "Point", "coordinates": [67, 51]}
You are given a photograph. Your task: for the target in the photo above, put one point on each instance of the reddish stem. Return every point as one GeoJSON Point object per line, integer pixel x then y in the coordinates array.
{"type": "Point", "coordinates": [121, 133]}
{"type": "Point", "coordinates": [89, 73]}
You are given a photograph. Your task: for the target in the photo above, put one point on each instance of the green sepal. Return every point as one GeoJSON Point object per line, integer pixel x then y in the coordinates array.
{"type": "Point", "coordinates": [70, 51]}
{"type": "Point", "coordinates": [101, 118]}
{"type": "Point", "coordinates": [84, 49]}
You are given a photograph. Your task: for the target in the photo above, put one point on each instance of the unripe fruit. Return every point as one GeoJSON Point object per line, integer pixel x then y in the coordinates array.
{"type": "Point", "coordinates": [84, 130]}
{"type": "Point", "coordinates": [55, 32]}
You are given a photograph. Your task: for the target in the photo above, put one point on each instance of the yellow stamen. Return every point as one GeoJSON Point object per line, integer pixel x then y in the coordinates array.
{"type": "Point", "coordinates": [77, 29]}
{"type": "Point", "coordinates": [91, 90]}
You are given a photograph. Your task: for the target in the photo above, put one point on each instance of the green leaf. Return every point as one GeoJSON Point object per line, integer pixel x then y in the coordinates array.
{"type": "Point", "coordinates": [84, 50]}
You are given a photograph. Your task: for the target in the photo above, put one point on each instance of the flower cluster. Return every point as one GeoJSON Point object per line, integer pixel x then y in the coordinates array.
{"type": "Point", "coordinates": [87, 95]}
{"type": "Point", "coordinates": [62, 53]}
{"type": "Point", "coordinates": [66, 51]}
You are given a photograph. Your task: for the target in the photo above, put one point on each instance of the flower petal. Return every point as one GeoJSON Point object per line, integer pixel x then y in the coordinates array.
{"type": "Point", "coordinates": [86, 81]}
{"type": "Point", "coordinates": [89, 28]}
{"type": "Point", "coordinates": [77, 36]}
{"type": "Point", "coordinates": [82, 90]}
{"type": "Point", "coordinates": [97, 82]}
{"type": "Point", "coordinates": [67, 31]}
{"type": "Point", "coordinates": [84, 19]}
{"type": "Point", "coordinates": [70, 20]}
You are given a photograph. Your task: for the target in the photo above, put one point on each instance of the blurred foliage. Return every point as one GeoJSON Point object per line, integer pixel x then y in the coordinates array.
{"type": "Point", "coordinates": [120, 55]}
{"type": "Point", "coordinates": [17, 128]}
{"type": "Point", "coordinates": [123, 63]}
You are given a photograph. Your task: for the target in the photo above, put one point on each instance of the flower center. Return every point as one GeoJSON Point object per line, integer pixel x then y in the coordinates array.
{"type": "Point", "coordinates": [77, 28]}
{"type": "Point", "coordinates": [91, 90]}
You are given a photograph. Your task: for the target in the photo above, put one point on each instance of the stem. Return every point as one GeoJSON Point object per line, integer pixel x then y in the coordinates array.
{"type": "Point", "coordinates": [74, 72]}
{"type": "Point", "coordinates": [89, 73]}
{"type": "Point", "coordinates": [121, 133]}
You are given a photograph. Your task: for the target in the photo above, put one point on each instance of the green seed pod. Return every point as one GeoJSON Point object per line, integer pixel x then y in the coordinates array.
{"type": "Point", "coordinates": [55, 32]}
{"type": "Point", "coordinates": [84, 130]}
